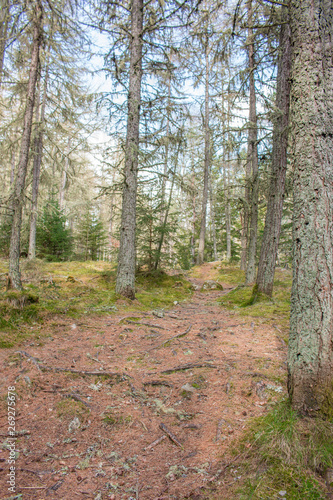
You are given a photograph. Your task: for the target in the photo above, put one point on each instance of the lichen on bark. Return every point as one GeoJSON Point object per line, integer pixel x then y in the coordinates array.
{"type": "Point", "coordinates": [310, 356]}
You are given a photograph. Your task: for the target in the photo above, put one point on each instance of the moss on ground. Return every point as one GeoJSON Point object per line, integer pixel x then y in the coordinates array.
{"type": "Point", "coordinates": [75, 289]}
{"type": "Point", "coordinates": [247, 302]}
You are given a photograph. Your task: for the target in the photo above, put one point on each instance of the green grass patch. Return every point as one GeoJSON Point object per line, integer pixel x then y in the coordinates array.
{"type": "Point", "coordinates": [284, 452]}
{"type": "Point", "coordinates": [68, 408]}
{"type": "Point", "coordinates": [230, 274]}
{"type": "Point", "coordinates": [75, 289]}
{"type": "Point", "coordinates": [247, 302]}
{"type": "Point", "coordinates": [157, 289]}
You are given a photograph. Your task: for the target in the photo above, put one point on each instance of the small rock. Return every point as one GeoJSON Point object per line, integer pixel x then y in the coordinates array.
{"type": "Point", "coordinates": [73, 326]}
{"type": "Point", "coordinates": [188, 388]}
{"type": "Point", "coordinates": [211, 285]}
{"type": "Point", "coordinates": [282, 493]}
{"type": "Point", "coordinates": [195, 287]}
{"type": "Point", "coordinates": [74, 425]}
{"type": "Point", "coordinates": [159, 313]}
{"type": "Point", "coordinates": [175, 303]}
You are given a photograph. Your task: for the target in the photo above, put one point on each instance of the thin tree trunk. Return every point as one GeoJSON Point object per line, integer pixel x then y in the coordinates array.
{"type": "Point", "coordinates": [227, 210]}
{"type": "Point", "coordinates": [63, 181]}
{"type": "Point", "coordinates": [166, 215]}
{"type": "Point", "coordinates": [212, 215]}
{"type": "Point", "coordinates": [201, 249]}
{"type": "Point", "coordinates": [252, 159]}
{"type": "Point", "coordinates": [4, 18]}
{"type": "Point", "coordinates": [271, 236]}
{"type": "Point", "coordinates": [166, 153]}
{"type": "Point", "coordinates": [126, 259]}
{"type": "Point", "coordinates": [14, 277]}
{"type": "Point", "coordinates": [310, 356]}
{"type": "Point", "coordinates": [192, 242]}
{"type": "Point", "coordinates": [12, 168]}
{"type": "Point", "coordinates": [36, 172]}
{"type": "Point", "coordinates": [227, 182]}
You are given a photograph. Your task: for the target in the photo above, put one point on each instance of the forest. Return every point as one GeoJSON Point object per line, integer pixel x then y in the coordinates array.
{"type": "Point", "coordinates": [166, 249]}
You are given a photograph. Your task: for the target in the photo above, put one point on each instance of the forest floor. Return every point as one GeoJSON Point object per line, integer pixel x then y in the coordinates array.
{"type": "Point", "coordinates": [137, 404]}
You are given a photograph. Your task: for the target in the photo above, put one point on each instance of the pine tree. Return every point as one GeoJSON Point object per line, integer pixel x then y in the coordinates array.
{"type": "Point", "coordinates": [54, 241]}
{"type": "Point", "coordinates": [310, 356]}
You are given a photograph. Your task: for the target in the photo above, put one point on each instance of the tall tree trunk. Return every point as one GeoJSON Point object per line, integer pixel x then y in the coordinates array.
{"type": "Point", "coordinates": [166, 154]}
{"type": "Point", "coordinates": [4, 18]}
{"type": "Point", "coordinates": [252, 159]}
{"type": "Point", "coordinates": [36, 171]}
{"type": "Point", "coordinates": [310, 356]}
{"type": "Point", "coordinates": [14, 277]}
{"type": "Point", "coordinates": [201, 249]}
{"type": "Point", "coordinates": [227, 209]}
{"type": "Point", "coordinates": [212, 216]}
{"type": "Point", "coordinates": [271, 236]}
{"type": "Point", "coordinates": [226, 178]}
{"type": "Point", "coordinates": [63, 181]}
{"type": "Point", "coordinates": [126, 259]}
{"type": "Point", "coordinates": [192, 241]}
{"type": "Point", "coordinates": [167, 210]}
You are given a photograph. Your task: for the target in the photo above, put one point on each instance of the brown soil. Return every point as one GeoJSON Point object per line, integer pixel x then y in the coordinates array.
{"type": "Point", "coordinates": [235, 372]}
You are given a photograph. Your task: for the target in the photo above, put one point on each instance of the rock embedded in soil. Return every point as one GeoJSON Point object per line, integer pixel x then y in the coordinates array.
{"type": "Point", "coordinates": [211, 285]}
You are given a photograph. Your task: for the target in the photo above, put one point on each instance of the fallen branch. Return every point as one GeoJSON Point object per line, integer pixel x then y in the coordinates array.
{"type": "Point", "coordinates": [158, 382]}
{"type": "Point", "coordinates": [188, 366]}
{"type": "Point", "coordinates": [178, 336]}
{"type": "Point", "coordinates": [170, 435]}
{"type": "Point", "coordinates": [154, 443]}
{"type": "Point", "coordinates": [34, 360]}
{"type": "Point", "coordinates": [45, 368]}
{"type": "Point", "coordinates": [146, 324]}
{"type": "Point", "coordinates": [84, 372]}
{"type": "Point", "coordinates": [76, 398]}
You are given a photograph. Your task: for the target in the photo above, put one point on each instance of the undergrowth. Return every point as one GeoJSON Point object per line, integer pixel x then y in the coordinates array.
{"type": "Point", "coordinates": [74, 289]}
{"type": "Point", "coordinates": [283, 452]}
{"type": "Point", "coordinates": [246, 302]}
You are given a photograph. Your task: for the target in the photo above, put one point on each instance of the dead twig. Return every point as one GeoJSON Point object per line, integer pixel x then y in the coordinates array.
{"type": "Point", "coordinates": [32, 487]}
{"type": "Point", "coordinates": [32, 358]}
{"type": "Point", "coordinates": [219, 429]}
{"type": "Point", "coordinates": [188, 366]}
{"type": "Point", "coordinates": [146, 324]}
{"type": "Point", "coordinates": [178, 336]}
{"type": "Point", "coordinates": [154, 443]}
{"type": "Point", "coordinates": [170, 435]}
{"type": "Point", "coordinates": [84, 372]}
{"type": "Point", "coordinates": [42, 367]}
{"type": "Point", "coordinates": [76, 397]}
{"type": "Point", "coordinates": [158, 382]}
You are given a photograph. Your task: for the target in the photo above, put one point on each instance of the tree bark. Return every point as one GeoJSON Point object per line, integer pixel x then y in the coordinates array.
{"type": "Point", "coordinates": [36, 172]}
{"type": "Point", "coordinates": [14, 276]}
{"type": "Point", "coordinates": [252, 160]}
{"type": "Point", "coordinates": [4, 18]}
{"type": "Point", "coordinates": [201, 248]}
{"type": "Point", "coordinates": [271, 236]}
{"type": "Point", "coordinates": [212, 216]}
{"type": "Point", "coordinates": [126, 259]}
{"type": "Point", "coordinates": [227, 209]}
{"type": "Point", "coordinates": [310, 356]}
{"type": "Point", "coordinates": [63, 181]}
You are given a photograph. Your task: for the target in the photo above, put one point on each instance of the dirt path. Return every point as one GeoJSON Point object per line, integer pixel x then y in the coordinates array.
{"type": "Point", "coordinates": [235, 368]}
